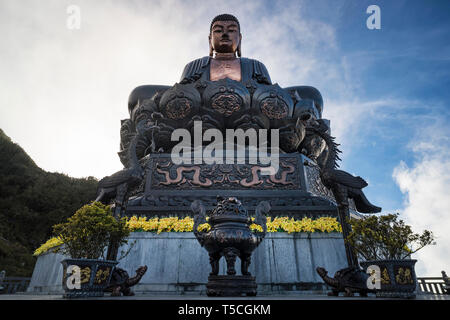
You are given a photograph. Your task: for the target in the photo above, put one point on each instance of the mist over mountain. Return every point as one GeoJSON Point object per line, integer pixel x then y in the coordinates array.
{"type": "Point", "coordinates": [31, 202]}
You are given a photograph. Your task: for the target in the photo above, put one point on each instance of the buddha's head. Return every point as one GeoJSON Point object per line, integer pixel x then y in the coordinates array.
{"type": "Point", "coordinates": [225, 35]}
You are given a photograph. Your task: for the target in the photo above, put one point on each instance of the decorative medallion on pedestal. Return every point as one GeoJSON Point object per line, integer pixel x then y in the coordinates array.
{"type": "Point", "coordinates": [228, 234]}
{"type": "Point", "coordinates": [227, 97]}
{"type": "Point", "coordinates": [179, 102]}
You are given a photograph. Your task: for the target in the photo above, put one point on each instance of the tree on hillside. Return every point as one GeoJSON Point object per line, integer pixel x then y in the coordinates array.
{"type": "Point", "coordinates": [31, 202]}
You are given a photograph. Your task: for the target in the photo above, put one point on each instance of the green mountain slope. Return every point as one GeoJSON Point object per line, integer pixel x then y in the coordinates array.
{"type": "Point", "coordinates": [31, 202]}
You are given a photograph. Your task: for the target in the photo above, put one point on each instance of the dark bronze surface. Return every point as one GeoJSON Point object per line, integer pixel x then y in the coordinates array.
{"type": "Point", "coordinates": [121, 282]}
{"type": "Point", "coordinates": [230, 237]}
{"type": "Point", "coordinates": [342, 184]}
{"type": "Point", "coordinates": [226, 91]}
{"type": "Point", "coordinates": [221, 69]}
{"type": "Point", "coordinates": [348, 280]}
{"type": "Point", "coordinates": [231, 286]}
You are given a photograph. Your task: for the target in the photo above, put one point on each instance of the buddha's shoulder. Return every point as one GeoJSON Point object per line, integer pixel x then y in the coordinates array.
{"type": "Point", "coordinates": [203, 61]}
{"type": "Point", "coordinates": [194, 69]}
{"type": "Point", "coordinates": [200, 62]}
{"type": "Point", "coordinates": [256, 64]}
{"type": "Point", "coordinates": [259, 70]}
{"type": "Point", "coordinates": [250, 60]}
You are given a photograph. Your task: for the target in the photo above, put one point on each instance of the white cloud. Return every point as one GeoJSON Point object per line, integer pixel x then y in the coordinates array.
{"type": "Point", "coordinates": [65, 91]}
{"type": "Point", "coordinates": [426, 186]}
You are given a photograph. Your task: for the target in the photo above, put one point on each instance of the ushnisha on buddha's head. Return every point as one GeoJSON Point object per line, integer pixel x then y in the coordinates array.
{"type": "Point", "coordinates": [225, 36]}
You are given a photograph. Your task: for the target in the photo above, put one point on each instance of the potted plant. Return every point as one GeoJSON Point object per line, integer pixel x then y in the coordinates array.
{"type": "Point", "coordinates": [386, 244]}
{"type": "Point", "coordinates": [86, 235]}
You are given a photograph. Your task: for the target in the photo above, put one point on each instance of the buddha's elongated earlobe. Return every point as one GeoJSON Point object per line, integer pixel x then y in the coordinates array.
{"type": "Point", "coordinates": [238, 51]}
{"type": "Point", "coordinates": [211, 50]}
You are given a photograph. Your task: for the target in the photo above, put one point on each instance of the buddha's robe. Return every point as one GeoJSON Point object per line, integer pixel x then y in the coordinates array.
{"type": "Point", "coordinates": [250, 69]}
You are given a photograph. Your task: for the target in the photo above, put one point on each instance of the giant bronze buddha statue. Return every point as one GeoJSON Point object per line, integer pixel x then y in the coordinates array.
{"type": "Point", "coordinates": [225, 91]}
{"type": "Point", "coordinates": [221, 91]}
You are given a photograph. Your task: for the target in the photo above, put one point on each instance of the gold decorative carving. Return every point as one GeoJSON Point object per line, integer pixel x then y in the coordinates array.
{"type": "Point", "coordinates": [85, 275]}
{"type": "Point", "coordinates": [385, 279]}
{"type": "Point", "coordinates": [226, 103]}
{"type": "Point", "coordinates": [101, 275]}
{"type": "Point", "coordinates": [219, 175]}
{"type": "Point", "coordinates": [404, 276]}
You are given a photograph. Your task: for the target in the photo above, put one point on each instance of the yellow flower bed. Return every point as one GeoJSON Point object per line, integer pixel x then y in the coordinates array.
{"type": "Point", "coordinates": [174, 224]}
{"type": "Point", "coordinates": [158, 225]}
{"type": "Point", "coordinates": [284, 224]}
{"type": "Point", "coordinates": [51, 243]}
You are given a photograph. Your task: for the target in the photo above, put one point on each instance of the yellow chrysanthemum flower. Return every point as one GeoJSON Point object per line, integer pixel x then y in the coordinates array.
{"type": "Point", "coordinates": [175, 224]}
{"type": "Point", "coordinates": [204, 227]}
{"type": "Point", "coordinates": [51, 243]}
{"type": "Point", "coordinates": [256, 227]}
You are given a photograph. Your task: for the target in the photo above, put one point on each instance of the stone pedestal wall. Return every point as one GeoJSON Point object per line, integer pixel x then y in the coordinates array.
{"type": "Point", "coordinates": [177, 264]}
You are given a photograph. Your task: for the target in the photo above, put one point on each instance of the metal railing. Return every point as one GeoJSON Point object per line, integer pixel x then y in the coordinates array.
{"type": "Point", "coordinates": [434, 285]}
{"type": "Point", "coordinates": [426, 285]}
{"type": "Point", "coordinates": [11, 285]}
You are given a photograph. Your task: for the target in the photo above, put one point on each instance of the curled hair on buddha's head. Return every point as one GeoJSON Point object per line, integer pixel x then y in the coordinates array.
{"type": "Point", "coordinates": [225, 17]}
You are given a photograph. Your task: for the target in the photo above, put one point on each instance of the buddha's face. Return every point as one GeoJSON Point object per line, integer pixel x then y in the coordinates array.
{"type": "Point", "coordinates": [225, 36]}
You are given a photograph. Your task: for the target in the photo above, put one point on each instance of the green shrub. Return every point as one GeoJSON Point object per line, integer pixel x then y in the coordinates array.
{"type": "Point", "coordinates": [385, 238]}
{"type": "Point", "coordinates": [90, 230]}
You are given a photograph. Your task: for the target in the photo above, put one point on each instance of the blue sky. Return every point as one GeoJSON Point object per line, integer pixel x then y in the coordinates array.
{"type": "Point", "coordinates": [407, 60]}
{"type": "Point", "coordinates": [385, 91]}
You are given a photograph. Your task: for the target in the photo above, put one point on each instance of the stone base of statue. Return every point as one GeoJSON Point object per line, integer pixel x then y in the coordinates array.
{"type": "Point", "coordinates": [231, 286]}
{"type": "Point", "coordinates": [169, 189]}
{"type": "Point", "coordinates": [284, 263]}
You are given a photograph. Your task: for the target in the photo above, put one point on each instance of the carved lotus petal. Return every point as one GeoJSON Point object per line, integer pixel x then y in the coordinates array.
{"type": "Point", "coordinates": [180, 101]}
{"type": "Point", "coordinates": [274, 102]}
{"type": "Point", "coordinates": [227, 97]}
{"type": "Point", "coordinates": [274, 108]}
{"type": "Point", "coordinates": [226, 103]}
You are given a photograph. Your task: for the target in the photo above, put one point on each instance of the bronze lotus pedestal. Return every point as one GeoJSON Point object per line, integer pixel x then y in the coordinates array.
{"type": "Point", "coordinates": [228, 235]}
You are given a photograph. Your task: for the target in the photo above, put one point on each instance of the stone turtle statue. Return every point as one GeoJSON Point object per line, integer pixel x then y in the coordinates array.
{"type": "Point", "coordinates": [121, 281]}
{"type": "Point", "coordinates": [347, 280]}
